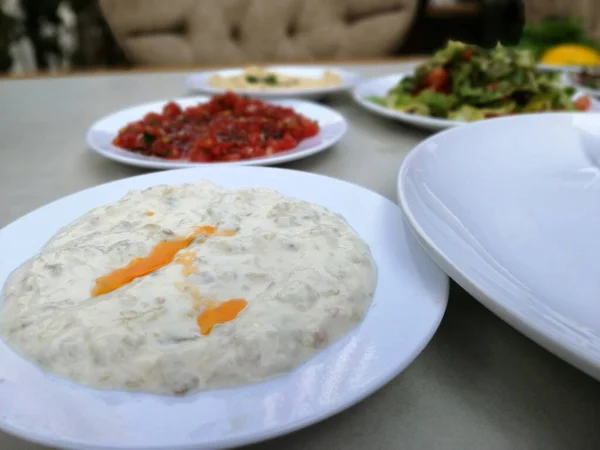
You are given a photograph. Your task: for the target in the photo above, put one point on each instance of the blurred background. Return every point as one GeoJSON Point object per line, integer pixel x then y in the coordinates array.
{"type": "Point", "coordinates": [65, 35]}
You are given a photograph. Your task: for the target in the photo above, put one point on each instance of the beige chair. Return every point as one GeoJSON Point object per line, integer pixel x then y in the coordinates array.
{"type": "Point", "coordinates": [185, 32]}
{"type": "Point", "coordinates": [586, 10]}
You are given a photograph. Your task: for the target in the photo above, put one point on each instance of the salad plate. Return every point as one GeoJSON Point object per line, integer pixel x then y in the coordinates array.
{"type": "Point", "coordinates": [510, 209]}
{"type": "Point", "coordinates": [463, 83]}
{"type": "Point", "coordinates": [409, 302]}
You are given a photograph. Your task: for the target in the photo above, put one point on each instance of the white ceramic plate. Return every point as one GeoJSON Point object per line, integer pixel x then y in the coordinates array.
{"type": "Point", "coordinates": [101, 134]}
{"type": "Point", "coordinates": [510, 208]}
{"type": "Point", "coordinates": [569, 78]}
{"type": "Point", "coordinates": [409, 302]}
{"type": "Point", "coordinates": [379, 87]}
{"type": "Point", "coordinates": [198, 82]}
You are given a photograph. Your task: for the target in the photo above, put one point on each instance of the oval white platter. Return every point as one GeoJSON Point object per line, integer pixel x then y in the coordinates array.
{"type": "Point", "coordinates": [409, 302]}
{"type": "Point", "coordinates": [199, 82]}
{"type": "Point", "coordinates": [101, 134]}
{"type": "Point", "coordinates": [510, 209]}
{"type": "Point", "coordinates": [379, 87]}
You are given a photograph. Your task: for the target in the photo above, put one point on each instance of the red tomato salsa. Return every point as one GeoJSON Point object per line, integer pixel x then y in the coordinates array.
{"type": "Point", "coordinates": [227, 128]}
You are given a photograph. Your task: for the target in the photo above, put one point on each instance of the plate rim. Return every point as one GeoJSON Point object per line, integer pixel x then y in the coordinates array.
{"type": "Point", "coordinates": [203, 75]}
{"type": "Point", "coordinates": [441, 297]}
{"type": "Point", "coordinates": [510, 316]}
{"type": "Point", "coordinates": [161, 164]}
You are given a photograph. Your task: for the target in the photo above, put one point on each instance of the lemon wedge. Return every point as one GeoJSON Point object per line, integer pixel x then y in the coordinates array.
{"type": "Point", "coordinates": [571, 55]}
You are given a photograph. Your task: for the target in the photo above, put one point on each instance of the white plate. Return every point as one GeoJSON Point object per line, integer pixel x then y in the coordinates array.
{"type": "Point", "coordinates": [409, 302]}
{"type": "Point", "coordinates": [379, 87]}
{"type": "Point", "coordinates": [568, 78]}
{"type": "Point", "coordinates": [101, 134]}
{"type": "Point", "coordinates": [199, 82]}
{"type": "Point", "coordinates": [510, 208]}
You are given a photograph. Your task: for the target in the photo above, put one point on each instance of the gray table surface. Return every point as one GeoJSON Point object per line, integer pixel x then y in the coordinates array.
{"type": "Point", "coordinates": [478, 385]}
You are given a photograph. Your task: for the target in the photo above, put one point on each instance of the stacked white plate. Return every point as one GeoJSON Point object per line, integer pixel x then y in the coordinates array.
{"type": "Point", "coordinates": [510, 209]}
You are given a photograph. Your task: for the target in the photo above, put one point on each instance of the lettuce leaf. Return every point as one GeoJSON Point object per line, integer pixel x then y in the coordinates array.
{"type": "Point", "coordinates": [468, 113]}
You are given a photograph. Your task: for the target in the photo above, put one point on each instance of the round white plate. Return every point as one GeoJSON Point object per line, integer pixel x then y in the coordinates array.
{"type": "Point", "coordinates": [568, 78]}
{"type": "Point", "coordinates": [198, 82]}
{"type": "Point", "coordinates": [409, 302]}
{"type": "Point", "coordinates": [379, 87]}
{"type": "Point", "coordinates": [510, 209]}
{"type": "Point", "coordinates": [101, 134]}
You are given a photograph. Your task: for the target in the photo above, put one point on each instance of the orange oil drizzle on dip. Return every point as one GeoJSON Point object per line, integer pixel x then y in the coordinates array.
{"type": "Point", "coordinates": [214, 312]}
{"type": "Point", "coordinates": [222, 313]}
{"type": "Point", "coordinates": [198, 302]}
{"type": "Point", "coordinates": [186, 259]}
{"type": "Point", "coordinates": [161, 255]}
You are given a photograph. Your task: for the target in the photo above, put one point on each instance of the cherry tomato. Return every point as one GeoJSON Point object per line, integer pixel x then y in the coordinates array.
{"type": "Point", "coordinates": [468, 54]}
{"type": "Point", "coordinates": [437, 79]}
{"type": "Point", "coordinates": [583, 103]}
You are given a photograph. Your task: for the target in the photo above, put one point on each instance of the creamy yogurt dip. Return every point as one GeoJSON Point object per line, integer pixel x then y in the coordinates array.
{"type": "Point", "coordinates": [255, 77]}
{"type": "Point", "coordinates": [181, 288]}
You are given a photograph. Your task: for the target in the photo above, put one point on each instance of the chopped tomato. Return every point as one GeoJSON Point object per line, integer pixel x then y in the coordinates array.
{"type": "Point", "coordinates": [227, 128]}
{"type": "Point", "coordinates": [199, 155]}
{"type": "Point", "coordinates": [468, 54]}
{"type": "Point", "coordinates": [174, 153]}
{"type": "Point", "coordinates": [171, 110]}
{"type": "Point", "coordinates": [583, 103]}
{"type": "Point", "coordinates": [437, 79]}
{"type": "Point", "coordinates": [153, 118]}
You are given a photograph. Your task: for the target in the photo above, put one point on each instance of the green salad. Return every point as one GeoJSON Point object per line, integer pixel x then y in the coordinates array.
{"type": "Point", "coordinates": [467, 83]}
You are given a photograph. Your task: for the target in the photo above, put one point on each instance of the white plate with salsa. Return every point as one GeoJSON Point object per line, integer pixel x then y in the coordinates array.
{"type": "Point", "coordinates": [409, 302]}
{"type": "Point", "coordinates": [275, 81]}
{"type": "Point", "coordinates": [232, 140]}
